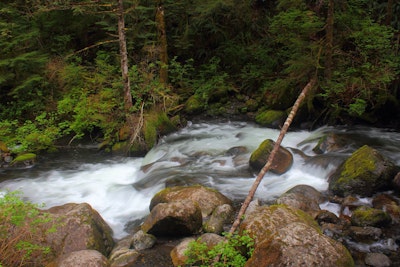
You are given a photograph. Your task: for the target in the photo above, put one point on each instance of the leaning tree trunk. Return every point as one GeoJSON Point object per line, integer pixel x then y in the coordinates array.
{"type": "Point", "coordinates": [267, 166]}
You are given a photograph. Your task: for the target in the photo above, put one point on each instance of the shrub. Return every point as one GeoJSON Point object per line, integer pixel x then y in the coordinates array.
{"type": "Point", "coordinates": [233, 252]}
{"type": "Point", "coordinates": [20, 235]}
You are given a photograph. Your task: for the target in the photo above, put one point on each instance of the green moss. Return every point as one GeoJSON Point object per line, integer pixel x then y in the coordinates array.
{"type": "Point", "coordinates": [360, 163]}
{"type": "Point", "coordinates": [157, 124]}
{"type": "Point", "coordinates": [365, 216]}
{"type": "Point", "coordinates": [24, 157]}
{"type": "Point", "coordinates": [271, 118]}
{"type": "Point", "coordinates": [262, 151]}
{"type": "Point", "coordinates": [194, 105]}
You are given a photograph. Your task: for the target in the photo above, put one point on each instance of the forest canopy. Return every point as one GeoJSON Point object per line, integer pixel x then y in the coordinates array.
{"type": "Point", "coordinates": [60, 69]}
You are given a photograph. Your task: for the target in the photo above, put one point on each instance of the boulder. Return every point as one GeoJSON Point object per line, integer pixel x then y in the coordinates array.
{"type": "Point", "coordinates": [285, 236]}
{"type": "Point", "coordinates": [282, 162]}
{"type": "Point", "coordinates": [206, 198]}
{"type": "Point", "coordinates": [303, 197]}
{"type": "Point", "coordinates": [366, 216]}
{"type": "Point", "coordinates": [271, 118]}
{"type": "Point", "coordinates": [142, 240]}
{"type": "Point", "coordinates": [87, 258]}
{"type": "Point", "coordinates": [78, 227]}
{"type": "Point", "coordinates": [123, 255]}
{"type": "Point", "coordinates": [177, 218]}
{"type": "Point", "coordinates": [364, 173]}
{"type": "Point", "coordinates": [330, 142]}
{"type": "Point", "coordinates": [221, 215]}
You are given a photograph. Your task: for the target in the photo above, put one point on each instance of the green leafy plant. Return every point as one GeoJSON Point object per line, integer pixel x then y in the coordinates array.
{"type": "Point", "coordinates": [233, 252]}
{"type": "Point", "coordinates": [20, 235]}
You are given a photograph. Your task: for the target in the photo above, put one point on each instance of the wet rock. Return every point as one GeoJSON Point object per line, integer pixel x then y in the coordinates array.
{"type": "Point", "coordinates": [221, 215]}
{"type": "Point", "coordinates": [325, 216]}
{"type": "Point", "coordinates": [285, 236]}
{"type": "Point", "coordinates": [366, 216]}
{"type": "Point", "coordinates": [302, 197]}
{"type": "Point", "coordinates": [177, 218]}
{"type": "Point", "coordinates": [396, 182]}
{"type": "Point", "coordinates": [364, 173]}
{"type": "Point", "coordinates": [123, 254]}
{"type": "Point", "coordinates": [87, 258]}
{"type": "Point", "coordinates": [282, 162]}
{"type": "Point", "coordinates": [377, 260]}
{"type": "Point", "coordinates": [389, 204]}
{"type": "Point", "coordinates": [78, 227]}
{"type": "Point", "coordinates": [366, 234]}
{"type": "Point", "coordinates": [330, 142]}
{"type": "Point", "coordinates": [206, 198]}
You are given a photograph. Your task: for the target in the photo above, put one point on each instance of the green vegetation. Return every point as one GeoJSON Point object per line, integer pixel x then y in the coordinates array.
{"type": "Point", "coordinates": [60, 73]}
{"type": "Point", "coordinates": [20, 233]}
{"type": "Point", "coordinates": [233, 252]}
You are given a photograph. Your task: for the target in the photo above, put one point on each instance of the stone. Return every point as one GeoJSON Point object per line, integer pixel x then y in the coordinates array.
{"type": "Point", "coordinates": [221, 215]}
{"type": "Point", "coordinates": [142, 240]}
{"type": "Point", "coordinates": [364, 173]}
{"type": "Point", "coordinates": [87, 258]}
{"type": "Point", "coordinates": [366, 216]}
{"type": "Point", "coordinates": [178, 218]}
{"type": "Point", "coordinates": [366, 234]}
{"type": "Point", "coordinates": [282, 162]}
{"type": "Point", "coordinates": [285, 236]}
{"type": "Point", "coordinates": [206, 198]}
{"type": "Point", "coordinates": [271, 118]}
{"type": "Point", "coordinates": [377, 260]}
{"type": "Point", "coordinates": [177, 254]}
{"type": "Point", "coordinates": [330, 142]}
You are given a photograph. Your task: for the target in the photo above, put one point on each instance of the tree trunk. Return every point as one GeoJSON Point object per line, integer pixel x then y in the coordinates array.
{"type": "Point", "coordinates": [124, 61]}
{"type": "Point", "coordinates": [162, 41]}
{"type": "Point", "coordinates": [267, 166]}
{"type": "Point", "coordinates": [329, 40]}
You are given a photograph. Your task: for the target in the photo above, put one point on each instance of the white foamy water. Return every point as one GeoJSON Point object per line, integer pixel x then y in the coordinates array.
{"type": "Point", "coordinates": [121, 192]}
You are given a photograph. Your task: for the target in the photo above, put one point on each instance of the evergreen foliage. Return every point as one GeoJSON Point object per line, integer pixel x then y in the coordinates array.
{"type": "Point", "coordinates": [60, 73]}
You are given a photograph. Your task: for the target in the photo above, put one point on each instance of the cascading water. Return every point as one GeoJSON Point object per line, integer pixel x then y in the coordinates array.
{"type": "Point", "coordinates": [120, 189]}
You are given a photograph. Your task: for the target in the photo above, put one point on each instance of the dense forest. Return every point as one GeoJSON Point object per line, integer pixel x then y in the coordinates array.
{"type": "Point", "coordinates": [126, 72]}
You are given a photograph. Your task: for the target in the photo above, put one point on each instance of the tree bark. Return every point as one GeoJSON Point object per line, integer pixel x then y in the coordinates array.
{"type": "Point", "coordinates": [329, 40]}
{"type": "Point", "coordinates": [389, 12]}
{"type": "Point", "coordinates": [267, 166]}
{"type": "Point", "coordinates": [124, 60]}
{"type": "Point", "coordinates": [162, 40]}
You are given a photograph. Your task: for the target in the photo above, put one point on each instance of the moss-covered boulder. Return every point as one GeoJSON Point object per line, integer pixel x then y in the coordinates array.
{"type": "Point", "coordinates": [283, 159]}
{"type": "Point", "coordinates": [366, 216]}
{"type": "Point", "coordinates": [285, 236]}
{"type": "Point", "coordinates": [364, 173]}
{"type": "Point", "coordinates": [207, 198]}
{"type": "Point", "coordinates": [271, 118]}
{"type": "Point", "coordinates": [26, 159]}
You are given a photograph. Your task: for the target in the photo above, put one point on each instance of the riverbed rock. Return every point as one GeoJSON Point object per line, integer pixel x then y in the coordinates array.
{"type": "Point", "coordinates": [366, 216]}
{"type": "Point", "coordinates": [389, 204]}
{"type": "Point", "coordinates": [206, 198]}
{"type": "Point", "coordinates": [176, 218]}
{"type": "Point", "coordinates": [142, 240]}
{"type": "Point", "coordinates": [364, 173]}
{"type": "Point", "coordinates": [303, 197]}
{"type": "Point", "coordinates": [78, 227]}
{"type": "Point", "coordinates": [377, 260]}
{"type": "Point", "coordinates": [285, 236]}
{"type": "Point", "coordinates": [330, 142]}
{"type": "Point", "coordinates": [87, 258]}
{"type": "Point", "coordinates": [123, 254]}
{"type": "Point", "coordinates": [282, 162]}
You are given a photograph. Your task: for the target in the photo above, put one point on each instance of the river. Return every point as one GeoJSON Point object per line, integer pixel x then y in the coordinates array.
{"type": "Point", "coordinates": [121, 188]}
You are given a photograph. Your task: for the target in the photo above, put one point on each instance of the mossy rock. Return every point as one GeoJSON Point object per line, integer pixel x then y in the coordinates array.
{"type": "Point", "coordinates": [366, 216]}
{"type": "Point", "coordinates": [194, 105]}
{"type": "Point", "coordinates": [364, 173]}
{"type": "Point", "coordinates": [282, 162]}
{"type": "Point", "coordinates": [157, 124]}
{"type": "Point", "coordinates": [271, 118]}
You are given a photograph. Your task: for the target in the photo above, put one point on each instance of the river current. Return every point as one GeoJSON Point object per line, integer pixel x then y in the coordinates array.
{"type": "Point", "coordinates": [120, 188]}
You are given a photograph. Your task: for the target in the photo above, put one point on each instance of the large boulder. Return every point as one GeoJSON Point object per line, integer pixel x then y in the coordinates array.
{"type": "Point", "coordinates": [285, 236]}
{"type": "Point", "coordinates": [303, 197]}
{"type": "Point", "coordinates": [282, 162]}
{"type": "Point", "coordinates": [78, 227]}
{"type": "Point", "coordinates": [87, 258]}
{"type": "Point", "coordinates": [364, 173]}
{"type": "Point", "coordinates": [178, 218]}
{"type": "Point", "coordinates": [206, 198]}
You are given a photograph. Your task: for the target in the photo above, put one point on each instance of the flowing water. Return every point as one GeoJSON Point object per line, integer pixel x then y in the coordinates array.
{"type": "Point", "coordinates": [120, 188]}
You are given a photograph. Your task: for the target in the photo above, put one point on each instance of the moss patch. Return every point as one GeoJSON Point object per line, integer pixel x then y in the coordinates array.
{"type": "Point", "coordinates": [271, 118]}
